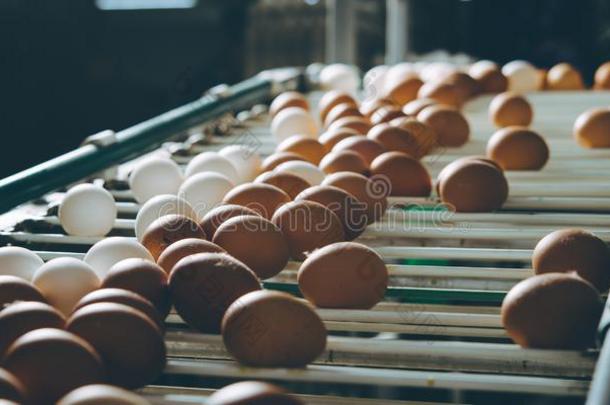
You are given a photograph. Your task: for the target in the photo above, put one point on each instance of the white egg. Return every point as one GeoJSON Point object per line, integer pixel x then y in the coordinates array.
{"type": "Point", "coordinates": [102, 394]}
{"type": "Point", "coordinates": [373, 82]}
{"type": "Point", "coordinates": [87, 210]}
{"type": "Point", "coordinates": [105, 253]}
{"type": "Point", "coordinates": [437, 71]}
{"type": "Point", "coordinates": [245, 159]}
{"type": "Point", "coordinates": [205, 191]}
{"type": "Point", "coordinates": [64, 281]}
{"type": "Point", "coordinates": [399, 71]}
{"type": "Point", "coordinates": [159, 206]}
{"type": "Point", "coordinates": [19, 262]}
{"type": "Point", "coordinates": [307, 171]}
{"type": "Point", "coordinates": [522, 76]}
{"type": "Point", "coordinates": [154, 176]}
{"type": "Point", "coordinates": [212, 162]}
{"type": "Point", "coordinates": [339, 76]}
{"type": "Point", "coordinates": [477, 68]}
{"type": "Point", "coordinates": [293, 121]}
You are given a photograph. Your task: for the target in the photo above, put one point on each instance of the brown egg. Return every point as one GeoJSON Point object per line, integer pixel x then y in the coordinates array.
{"type": "Point", "coordinates": [167, 230]}
{"type": "Point", "coordinates": [395, 139]}
{"type": "Point", "coordinates": [14, 288]}
{"type": "Point", "coordinates": [552, 311]}
{"type": "Point", "coordinates": [386, 114]}
{"type": "Point", "coordinates": [508, 109]}
{"type": "Point", "coordinates": [273, 329]}
{"type": "Point", "coordinates": [141, 277]}
{"type": "Point", "coordinates": [372, 192]}
{"type": "Point", "coordinates": [368, 107]}
{"type": "Point", "coordinates": [213, 219]}
{"type": "Point", "coordinates": [564, 76]}
{"type": "Point", "coordinates": [407, 176]}
{"type": "Point", "coordinates": [252, 393]}
{"type": "Point", "coordinates": [457, 162]}
{"type": "Point", "coordinates": [130, 344]}
{"type": "Point", "coordinates": [307, 226]}
{"type": "Point", "coordinates": [367, 148]}
{"type": "Point", "coordinates": [450, 125]}
{"type": "Point", "coordinates": [592, 128]}
{"type": "Point", "coordinates": [310, 149]}
{"type": "Point", "coordinates": [203, 286]}
{"type": "Point", "coordinates": [290, 183]}
{"type": "Point", "coordinates": [288, 99]}
{"type": "Point", "coordinates": [344, 275]}
{"type": "Point", "coordinates": [256, 242]}
{"type": "Point", "coordinates": [518, 148]}
{"type": "Point", "coordinates": [474, 186]}
{"type": "Point", "coordinates": [11, 388]}
{"type": "Point", "coordinates": [264, 199]}
{"type": "Point", "coordinates": [330, 138]}
{"type": "Point", "coordinates": [340, 111]}
{"type": "Point", "coordinates": [359, 124]}
{"type": "Point", "coordinates": [405, 90]}
{"type": "Point", "coordinates": [490, 80]}
{"type": "Point", "coordinates": [414, 107]}
{"type": "Point", "coordinates": [52, 362]}
{"type": "Point", "coordinates": [602, 77]}
{"type": "Point", "coordinates": [331, 99]}
{"type": "Point", "coordinates": [426, 137]}
{"type": "Point", "coordinates": [344, 161]}
{"type": "Point", "coordinates": [350, 210]}
{"type": "Point", "coordinates": [187, 247]}
{"type": "Point", "coordinates": [23, 317]}
{"type": "Point", "coordinates": [102, 394]}
{"type": "Point", "coordinates": [465, 85]}
{"type": "Point", "coordinates": [574, 250]}
{"type": "Point", "coordinates": [442, 92]}
{"type": "Point", "coordinates": [125, 297]}
{"type": "Point", "coordinates": [274, 160]}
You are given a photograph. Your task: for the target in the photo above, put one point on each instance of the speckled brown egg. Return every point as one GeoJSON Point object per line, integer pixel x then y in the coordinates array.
{"type": "Point", "coordinates": [359, 124]}
{"type": "Point", "coordinates": [473, 186]}
{"type": "Point", "coordinates": [343, 275]}
{"type": "Point", "coordinates": [465, 85]}
{"type": "Point", "coordinates": [442, 92]}
{"type": "Point", "coordinates": [395, 139]}
{"type": "Point", "coordinates": [187, 247]}
{"type": "Point", "coordinates": [275, 159]}
{"type": "Point", "coordinates": [288, 99]}
{"type": "Point", "coordinates": [256, 242]}
{"type": "Point", "coordinates": [386, 114]}
{"type": "Point", "coordinates": [414, 107]}
{"type": "Point", "coordinates": [264, 199]}
{"type": "Point", "coordinates": [167, 230]}
{"type": "Point", "coordinates": [213, 219]}
{"type": "Point", "coordinates": [273, 329]}
{"type": "Point", "coordinates": [203, 286]}
{"type": "Point", "coordinates": [574, 250]}
{"type": "Point", "coordinates": [426, 137]}
{"type": "Point", "coordinates": [404, 90]}
{"type": "Point", "coordinates": [14, 288]}
{"type": "Point", "coordinates": [368, 107]}
{"type": "Point", "coordinates": [330, 138]}
{"type": "Point", "coordinates": [252, 393]}
{"type": "Point", "coordinates": [564, 76]}
{"type": "Point", "coordinates": [407, 176]}
{"type": "Point", "coordinates": [340, 111]}
{"type": "Point", "coordinates": [518, 148]}
{"type": "Point", "coordinates": [290, 183]}
{"type": "Point", "coordinates": [366, 147]}
{"type": "Point", "coordinates": [552, 311]}
{"type": "Point", "coordinates": [592, 128]}
{"type": "Point", "coordinates": [331, 99]}
{"type": "Point", "coordinates": [490, 80]}
{"type": "Point", "coordinates": [344, 161]}
{"type": "Point", "coordinates": [602, 77]}
{"type": "Point", "coordinates": [310, 149]}
{"type": "Point", "coordinates": [508, 109]}
{"type": "Point", "coordinates": [450, 125]}
{"type": "Point", "coordinates": [307, 226]}
{"type": "Point", "coordinates": [11, 388]}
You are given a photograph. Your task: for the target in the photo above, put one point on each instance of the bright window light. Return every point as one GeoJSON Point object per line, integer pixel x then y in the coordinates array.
{"type": "Point", "coordinates": [143, 4]}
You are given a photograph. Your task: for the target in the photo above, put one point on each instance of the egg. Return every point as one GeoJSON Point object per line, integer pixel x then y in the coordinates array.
{"type": "Point", "coordinates": [339, 76]}
{"type": "Point", "coordinates": [344, 161]}
{"type": "Point", "coordinates": [23, 317]}
{"type": "Point", "coordinates": [447, 169]}
{"type": "Point", "coordinates": [218, 215]}
{"type": "Point", "coordinates": [427, 139]}
{"type": "Point", "coordinates": [310, 149]}
{"type": "Point", "coordinates": [436, 71]}
{"type": "Point", "coordinates": [510, 109]}
{"type": "Point", "coordinates": [159, 206]}
{"type": "Point", "coordinates": [309, 172]}
{"type": "Point", "coordinates": [522, 76]}
{"type": "Point", "coordinates": [602, 77]}
{"type": "Point", "coordinates": [167, 230]}
{"type": "Point", "coordinates": [481, 66]}
{"type": "Point", "coordinates": [264, 199]}
{"type": "Point", "coordinates": [289, 183]}
{"type": "Point", "coordinates": [288, 99]}
{"type": "Point", "coordinates": [19, 262]}
{"type": "Point", "coordinates": [413, 108]}
{"type": "Point", "coordinates": [386, 114]}
{"type": "Point", "coordinates": [359, 124]}
{"type": "Point", "coordinates": [395, 139]}
{"type": "Point", "coordinates": [340, 111]}
{"type": "Point", "coordinates": [490, 79]}
{"type": "Point", "coordinates": [537, 314]}
{"type": "Point", "coordinates": [351, 212]}
{"type": "Point", "coordinates": [373, 81]}
{"type": "Point", "coordinates": [212, 162]}
{"type": "Point", "coordinates": [574, 250]}
{"type": "Point", "coordinates": [275, 159]}
{"type": "Point", "coordinates": [366, 147]}
{"type": "Point", "coordinates": [518, 148]}
{"type": "Point", "coordinates": [331, 99]}
{"type": "Point", "coordinates": [154, 176]}
{"type": "Point", "coordinates": [100, 394]}
{"type": "Point", "coordinates": [473, 186]}
{"type": "Point", "coordinates": [11, 388]}
{"type": "Point", "coordinates": [465, 86]}
{"type": "Point", "coordinates": [291, 121]}
{"type": "Point", "coordinates": [564, 76]}
{"type": "Point", "coordinates": [394, 166]}
{"type": "Point", "coordinates": [143, 278]}
{"type": "Point", "coordinates": [442, 92]}
{"type": "Point", "coordinates": [252, 392]}
{"type": "Point", "coordinates": [330, 138]}
{"type": "Point", "coordinates": [592, 128]}
{"type": "Point", "coordinates": [344, 275]}
{"type": "Point", "coordinates": [245, 159]}
{"type": "Point", "coordinates": [369, 106]}
{"type": "Point", "coordinates": [52, 362]}
{"type": "Point", "coordinates": [403, 90]}
{"type": "Point", "coordinates": [203, 286]}
{"type": "Point", "coordinates": [400, 71]}
{"type": "Point", "coordinates": [105, 253]}
{"type": "Point", "coordinates": [306, 226]}
{"type": "Point", "coordinates": [372, 192]}
{"type": "Point", "coordinates": [450, 125]}
{"type": "Point", "coordinates": [64, 281]}
{"type": "Point", "coordinates": [77, 206]}
{"type": "Point", "coordinates": [14, 288]}
{"type": "Point", "coordinates": [204, 191]}
{"type": "Point", "coordinates": [245, 237]}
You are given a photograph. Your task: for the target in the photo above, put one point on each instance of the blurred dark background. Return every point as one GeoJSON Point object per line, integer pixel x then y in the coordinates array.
{"type": "Point", "coordinates": [69, 69]}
